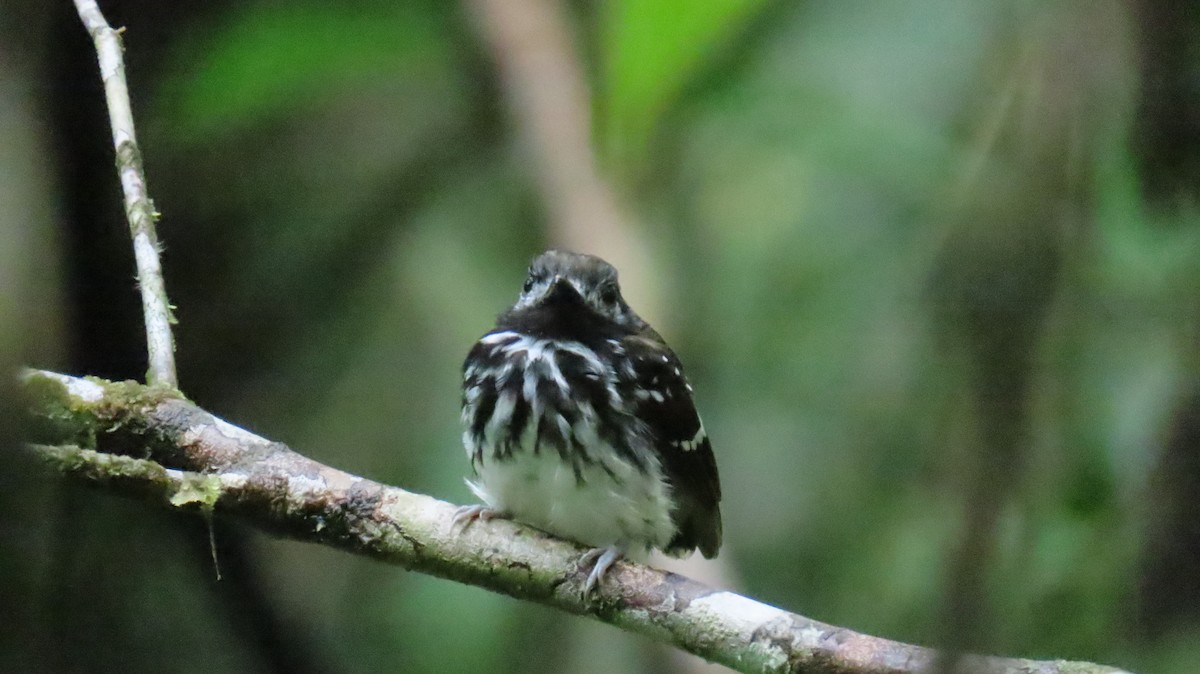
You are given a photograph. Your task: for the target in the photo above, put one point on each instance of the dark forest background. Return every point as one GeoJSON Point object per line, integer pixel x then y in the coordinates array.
{"type": "Point", "coordinates": [933, 267]}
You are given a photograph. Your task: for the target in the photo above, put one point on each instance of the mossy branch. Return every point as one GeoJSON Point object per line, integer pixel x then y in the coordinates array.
{"type": "Point", "coordinates": [152, 444]}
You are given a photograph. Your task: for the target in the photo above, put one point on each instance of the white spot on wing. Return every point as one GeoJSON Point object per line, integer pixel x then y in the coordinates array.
{"type": "Point", "coordinates": [696, 441]}
{"type": "Point", "coordinates": [627, 368]}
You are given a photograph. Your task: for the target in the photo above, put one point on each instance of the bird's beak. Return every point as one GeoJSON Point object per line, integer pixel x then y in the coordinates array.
{"type": "Point", "coordinates": [562, 291]}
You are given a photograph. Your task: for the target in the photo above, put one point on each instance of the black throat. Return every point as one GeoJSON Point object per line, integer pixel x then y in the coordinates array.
{"type": "Point", "coordinates": [569, 320]}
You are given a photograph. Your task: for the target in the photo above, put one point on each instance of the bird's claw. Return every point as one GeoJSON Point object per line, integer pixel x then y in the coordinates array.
{"type": "Point", "coordinates": [465, 515]}
{"type": "Point", "coordinates": [600, 559]}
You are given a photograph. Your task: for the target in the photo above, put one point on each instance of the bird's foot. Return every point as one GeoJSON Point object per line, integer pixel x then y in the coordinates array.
{"type": "Point", "coordinates": [600, 559]}
{"type": "Point", "coordinates": [465, 515]}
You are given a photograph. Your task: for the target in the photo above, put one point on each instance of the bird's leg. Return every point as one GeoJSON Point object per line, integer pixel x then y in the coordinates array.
{"type": "Point", "coordinates": [600, 559]}
{"type": "Point", "coordinates": [465, 515]}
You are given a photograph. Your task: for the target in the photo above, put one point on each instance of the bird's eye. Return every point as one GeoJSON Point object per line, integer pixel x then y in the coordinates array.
{"type": "Point", "coordinates": [609, 294]}
{"type": "Point", "coordinates": [528, 285]}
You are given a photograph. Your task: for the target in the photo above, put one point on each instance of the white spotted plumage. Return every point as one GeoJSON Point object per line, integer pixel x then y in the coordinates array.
{"type": "Point", "coordinates": [612, 502]}
{"type": "Point", "coordinates": [578, 420]}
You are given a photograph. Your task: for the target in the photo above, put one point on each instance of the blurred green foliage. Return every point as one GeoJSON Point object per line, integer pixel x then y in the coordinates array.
{"type": "Point", "coordinates": [864, 216]}
{"type": "Point", "coordinates": [650, 50]}
{"type": "Point", "coordinates": [266, 63]}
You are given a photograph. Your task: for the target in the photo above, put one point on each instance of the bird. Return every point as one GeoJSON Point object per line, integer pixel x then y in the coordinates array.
{"type": "Point", "coordinates": [578, 420]}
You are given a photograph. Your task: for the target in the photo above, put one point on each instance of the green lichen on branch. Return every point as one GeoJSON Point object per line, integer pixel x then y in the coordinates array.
{"type": "Point", "coordinates": [54, 416]}
{"type": "Point", "coordinates": [57, 415]}
{"type": "Point", "coordinates": [201, 490]}
{"type": "Point", "coordinates": [135, 477]}
{"type": "Point", "coordinates": [123, 473]}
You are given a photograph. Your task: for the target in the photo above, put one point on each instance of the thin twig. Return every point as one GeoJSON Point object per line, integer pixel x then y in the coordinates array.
{"type": "Point", "coordinates": [139, 209]}
{"type": "Point", "coordinates": [186, 458]}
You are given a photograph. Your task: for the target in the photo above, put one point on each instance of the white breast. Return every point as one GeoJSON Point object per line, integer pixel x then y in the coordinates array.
{"type": "Point", "coordinates": [612, 501]}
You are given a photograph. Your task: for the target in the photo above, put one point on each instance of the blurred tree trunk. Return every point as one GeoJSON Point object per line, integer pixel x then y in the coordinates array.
{"type": "Point", "coordinates": [1166, 142]}
{"type": "Point", "coordinates": [1166, 134]}
{"type": "Point", "coordinates": [30, 330]}
{"type": "Point", "coordinates": [1023, 204]}
{"type": "Point", "coordinates": [1170, 587]}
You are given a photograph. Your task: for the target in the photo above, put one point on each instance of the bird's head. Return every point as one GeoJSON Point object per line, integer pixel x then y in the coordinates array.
{"type": "Point", "coordinates": [561, 282]}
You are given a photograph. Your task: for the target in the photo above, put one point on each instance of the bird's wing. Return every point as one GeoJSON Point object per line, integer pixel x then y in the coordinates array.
{"type": "Point", "coordinates": [663, 401]}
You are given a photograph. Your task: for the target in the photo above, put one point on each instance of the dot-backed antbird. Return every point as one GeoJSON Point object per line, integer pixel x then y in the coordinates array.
{"type": "Point", "coordinates": [578, 420]}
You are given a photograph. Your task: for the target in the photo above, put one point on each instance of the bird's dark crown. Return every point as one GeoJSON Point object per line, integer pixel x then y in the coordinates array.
{"type": "Point", "coordinates": [572, 296]}
{"type": "Point", "coordinates": [588, 270]}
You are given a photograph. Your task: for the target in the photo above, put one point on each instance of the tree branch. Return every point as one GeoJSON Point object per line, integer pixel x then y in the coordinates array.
{"type": "Point", "coordinates": [139, 209]}
{"type": "Point", "coordinates": [150, 443]}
